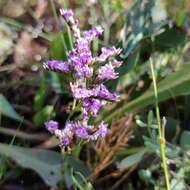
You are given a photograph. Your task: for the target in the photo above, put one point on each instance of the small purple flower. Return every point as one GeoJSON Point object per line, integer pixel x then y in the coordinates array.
{"type": "Point", "coordinates": [94, 32]}
{"type": "Point", "coordinates": [98, 31]}
{"type": "Point", "coordinates": [81, 132]}
{"type": "Point", "coordinates": [85, 115]}
{"type": "Point", "coordinates": [51, 125]}
{"type": "Point", "coordinates": [101, 132]}
{"type": "Point", "coordinates": [92, 105]}
{"type": "Point", "coordinates": [60, 66]}
{"type": "Point", "coordinates": [105, 94]}
{"type": "Point", "coordinates": [69, 128]}
{"type": "Point", "coordinates": [103, 129]}
{"type": "Point", "coordinates": [64, 142]}
{"type": "Point", "coordinates": [80, 92]}
{"type": "Point", "coordinates": [108, 52]}
{"type": "Point", "coordinates": [84, 72]}
{"type": "Point", "coordinates": [87, 103]}
{"type": "Point", "coordinates": [79, 58]}
{"type": "Point", "coordinates": [86, 57]}
{"type": "Point", "coordinates": [106, 72]}
{"type": "Point", "coordinates": [66, 13]}
{"type": "Point", "coordinates": [82, 45]}
{"type": "Point", "coordinates": [58, 133]}
{"type": "Point", "coordinates": [116, 64]}
{"type": "Point", "coordinates": [96, 105]}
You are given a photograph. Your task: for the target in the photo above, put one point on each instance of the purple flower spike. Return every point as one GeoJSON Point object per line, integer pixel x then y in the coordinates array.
{"type": "Point", "coordinates": [60, 66]}
{"type": "Point", "coordinates": [51, 126]}
{"type": "Point", "coordinates": [87, 86]}
{"type": "Point", "coordinates": [72, 22]}
{"type": "Point", "coordinates": [81, 132]}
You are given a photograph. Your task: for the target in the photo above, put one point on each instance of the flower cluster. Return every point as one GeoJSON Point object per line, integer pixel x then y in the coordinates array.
{"type": "Point", "coordinates": [88, 88]}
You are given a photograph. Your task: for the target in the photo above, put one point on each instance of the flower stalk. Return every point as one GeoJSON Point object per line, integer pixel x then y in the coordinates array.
{"type": "Point", "coordinates": [160, 133]}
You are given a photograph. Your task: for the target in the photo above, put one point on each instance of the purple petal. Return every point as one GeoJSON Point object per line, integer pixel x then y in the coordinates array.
{"type": "Point", "coordinates": [51, 125]}
{"type": "Point", "coordinates": [92, 33]}
{"type": "Point", "coordinates": [107, 72]}
{"type": "Point", "coordinates": [105, 94]}
{"type": "Point", "coordinates": [56, 65]}
{"type": "Point", "coordinates": [65, 141]}
{"type": "Point", "coordinates": [82, 133]}
{"type": "Point", "coordinates": [103, 129]}
{"type": "Point", "coordinates": [108, 52]}
{"type": "Point", "coordinates": [66, 13]}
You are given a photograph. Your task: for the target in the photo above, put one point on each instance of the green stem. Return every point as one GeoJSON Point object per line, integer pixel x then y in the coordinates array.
{"type": "Point", "coordinates": [74, 104]}
{"type": "Point", "coordinates": [64, 4]}
{"type": "Point", "coordinates": [75, 107]}
{"type": "Point", "coordinates": [54, 11]}
{"type": "Point", "coordinates": [161, 135]}
{"type": "Point", "coordinates": [57, 21]}
{"type": "Point", "coordinates": [94, 21]}
{"type": "Point", "coordinates": [77, 149]}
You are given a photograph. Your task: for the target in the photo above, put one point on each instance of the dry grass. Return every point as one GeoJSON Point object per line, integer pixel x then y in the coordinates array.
{"type": "Point", "coordinates": [116, 141]}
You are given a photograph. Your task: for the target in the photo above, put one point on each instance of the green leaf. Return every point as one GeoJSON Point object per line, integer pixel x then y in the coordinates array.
{"type": "Point", "coordinates": [172, 129]}
{"type": "Point", "coordinates": [60, 46]}
{"type": "Point", "coordinates": [46, 163]}
{"type": "Point", "coordinates": [180, 17]}
{"type": "Point", "coordinates": [71, 163]}
{"type": "Point", "coordinates": [141, 123]}
{"type": "Point", "coordinates": [131, 160]}
{"type": "Point", "coordinates": [176, 84]}
{"type": "Point", "coordinates": [169, 39]}
{"type": "Point", "coordinates": [39, 98]}
{"type": "Point", "coordinates": [55, 82]}
{"type": "Point", "coordinates": [152, 144]}
{"type": "Point", "coordinates": [57, 49]}
{"type": "Point", "coordinates": [178, 184]}
{"type": "Point", "coordinates": [7, 110]}
{"type": "Point", "coordinates": [150, 117]}
{"type": "Point", "coordinates": [145, 175]}
{"type": "Point", "coordinates": [185, 140]}
{"type": "Point", "coordinates": [45, 114]}
{"type": "Point", "coordinates": [177, 10]}
{"type": "Point", "coordinates": [142, 23]}
{"type": "Point", "coordinates": [78, 165]}
{"type": "Point", "coordinates": [6, 42]}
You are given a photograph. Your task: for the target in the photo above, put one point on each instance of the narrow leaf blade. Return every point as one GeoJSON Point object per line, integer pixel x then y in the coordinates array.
{"type": "Point", "coordinates": [7, 110]}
